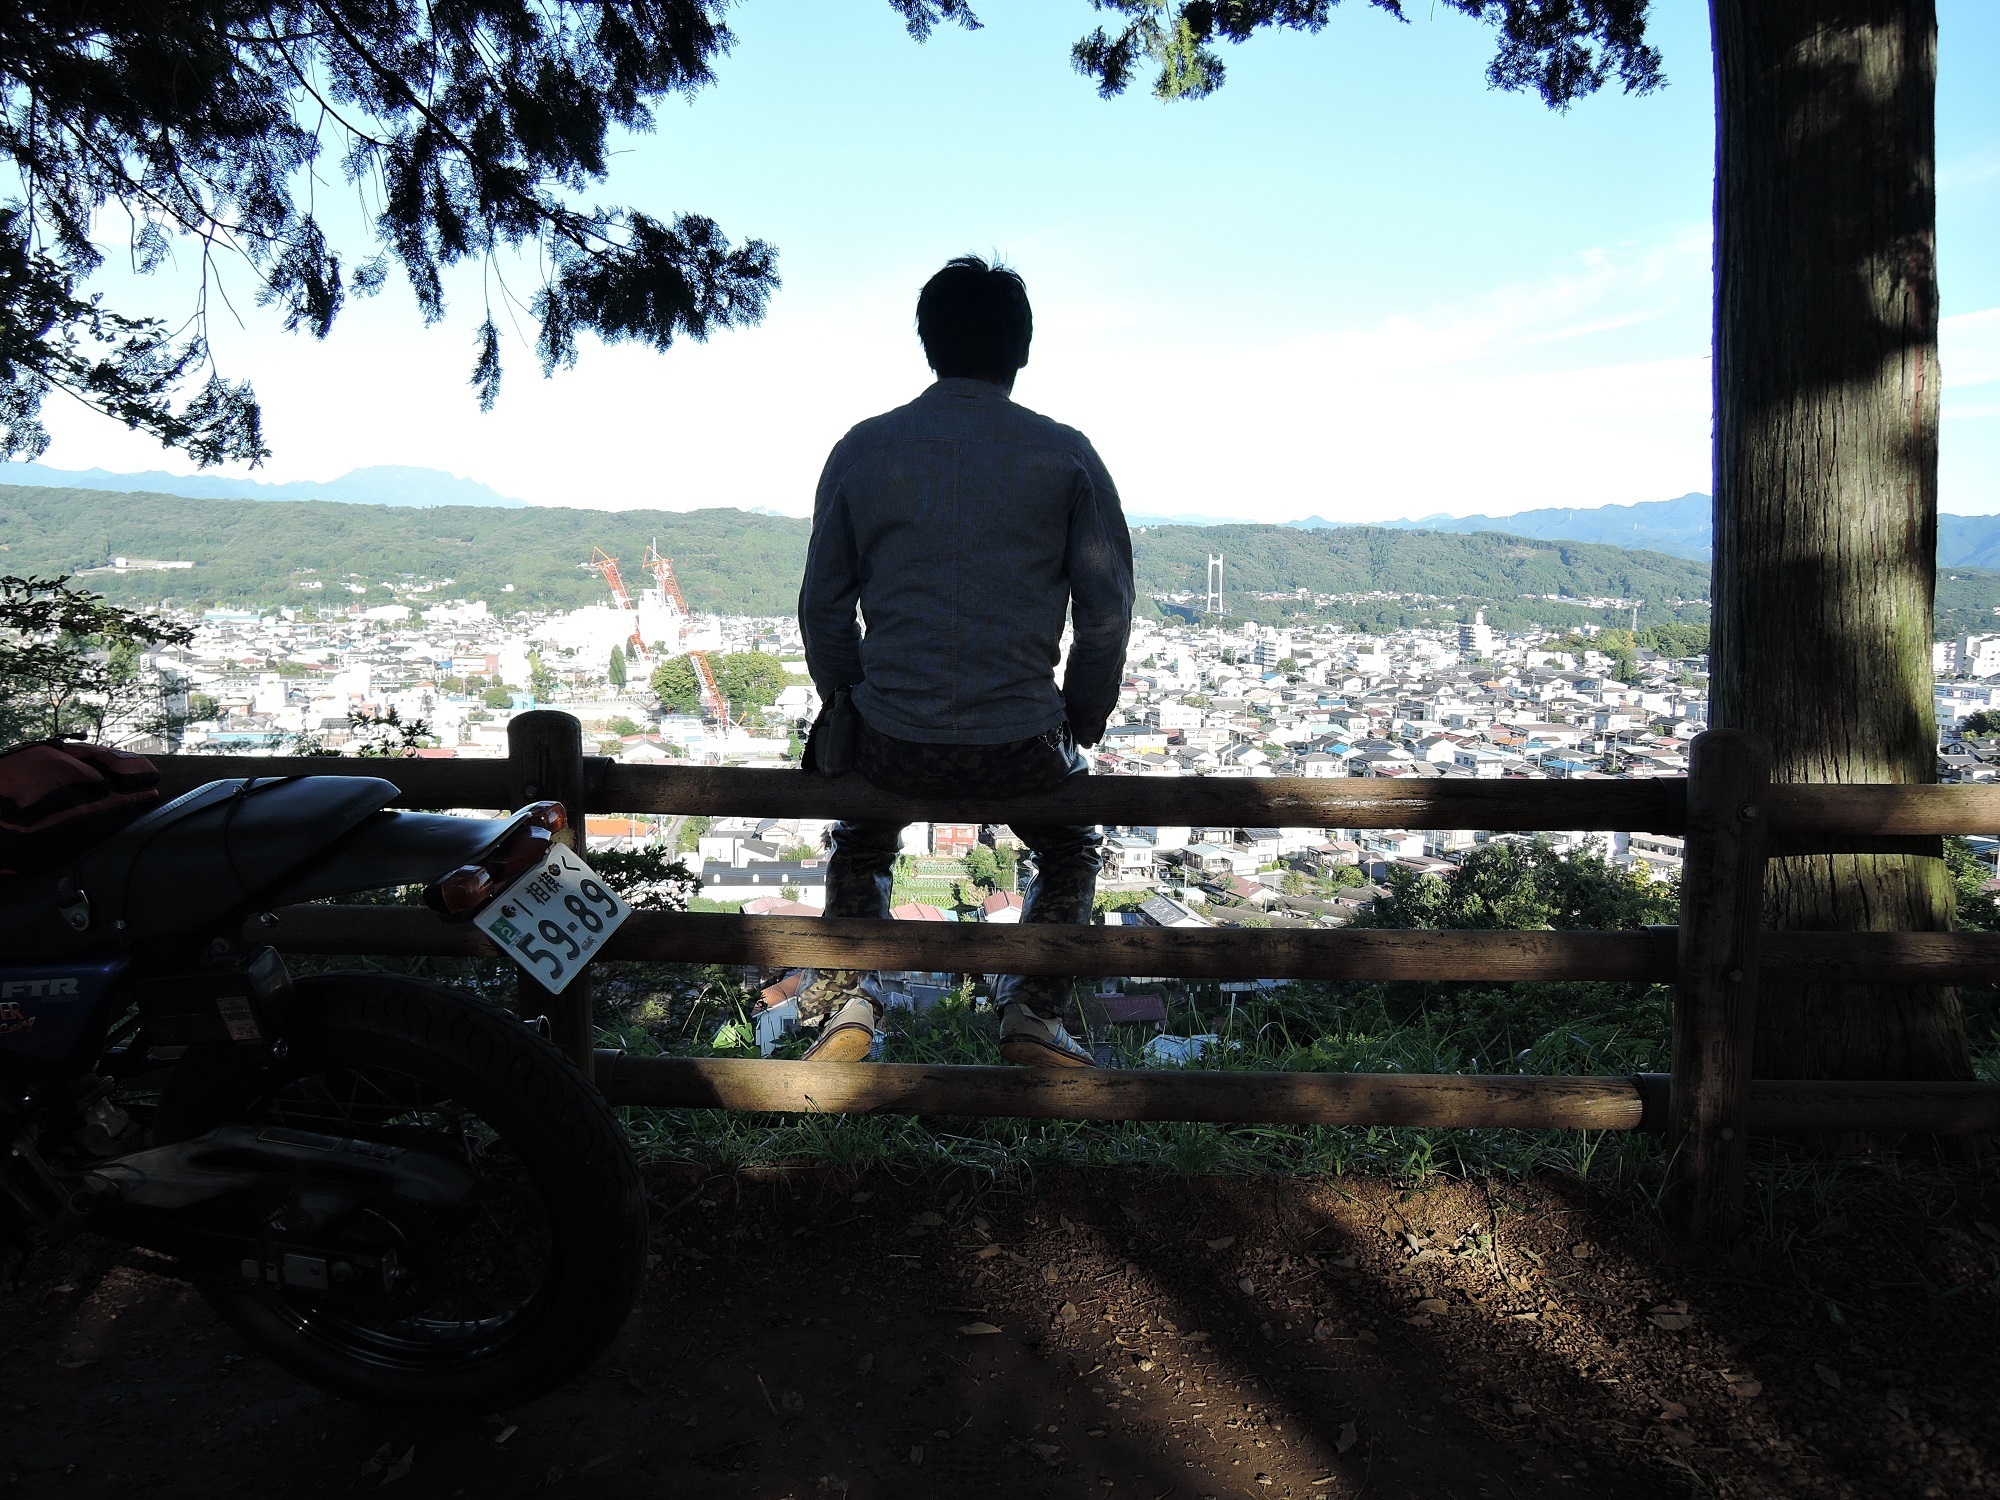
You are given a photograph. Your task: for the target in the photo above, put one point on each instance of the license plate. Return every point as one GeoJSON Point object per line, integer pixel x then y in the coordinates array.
{"type": "Point", "coordinates": [553, 919]}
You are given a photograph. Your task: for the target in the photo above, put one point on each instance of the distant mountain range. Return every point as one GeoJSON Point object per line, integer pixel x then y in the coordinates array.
{"type": "Point", "coordinates": [1678, 527]}
{"type": "Point", "coordinates": [383, 484]}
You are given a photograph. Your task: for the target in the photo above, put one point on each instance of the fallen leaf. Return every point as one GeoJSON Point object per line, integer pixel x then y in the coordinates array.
{"type": "Point", "coordinates": [860, 1198]}
{"type": "Point", "coordinates": [973, 1329]}
{"type": "Point", "coordinates": [1671, 1322]}
{"type": "Point", "coordinates": [928, 1219]}
{"type": "Point", "coordinates": [506, 1432]}
{"type": "Point", "coordinates": [792, 1402]}
{"type": "Point", "coordinates": [1367, 1336]}
{"type": "Point", "coordinates": [1677, 1437]}
{"type": "Point", "coordinates": [1990, 1231]}
{"type": "Point", "coordinates": [1145, 1364]}
{"type": "Point", "coordinates": [1349, 1436]}
{"type": "Point", "coordinates": [1746, 1390]}
{"type": "Point", "coordinates": [1264, 1479]}
{"type": "Point", "coordinates": [1436, 1306]}
{"type": "Point", "coordinates": [1345, 1263]}
{"type": "Point", "coordinates": [1050, 1274]}
{"type": "Point", "coordinates": [987, 1252]}
{"type": "Point", "coordinates": [1046, 1450]}
{"type": "Point", "coordinates": [1246, 1286]}
{"type": "Point", "coordinates": [1896, 1401]}
{"type": "Point", "coordinates": [1828, 1376]}
{"type": "Point", "coordinates": [1521, 1409]}
{"type": "Point", "coordinates": [1197, 1337]}
{"type": "Point", "coordinates": [1325, 1328]}
{"type": "Point", "coordinates": [80, 1363]}
{"type": "Point", "coordinates": [981, 1223]}
{"type": "Point", "coordinates": [1672, 1411]}
{"type": "Point", "coordinates": [917, 1458]}
{"type": "Point", "coordinates": [1222, 1244]}
{"type": "Point", "coordinates": [1583, 1250]}
{"type": "Point", "coordinates": [391, 1471]}
{"type": "Point", "coordinates": [867, 1363]}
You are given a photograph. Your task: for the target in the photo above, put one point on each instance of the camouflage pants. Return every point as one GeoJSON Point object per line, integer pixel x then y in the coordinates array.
{"type": "Point", "coordinates": [861, 871]}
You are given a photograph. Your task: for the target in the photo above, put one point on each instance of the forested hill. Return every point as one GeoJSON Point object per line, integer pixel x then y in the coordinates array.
{"type": "Point", "coordinates": [258, 552]}
{"type": "Point", "coordinates": [1453, 570]}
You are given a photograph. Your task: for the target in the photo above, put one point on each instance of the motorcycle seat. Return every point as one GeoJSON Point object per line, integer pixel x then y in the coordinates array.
{"type": "Point", "coordinates": [218, 847]}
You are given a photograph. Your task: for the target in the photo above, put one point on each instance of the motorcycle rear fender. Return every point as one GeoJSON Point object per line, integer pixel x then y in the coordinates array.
{"type": "Point", "coordinates": [390, 849]}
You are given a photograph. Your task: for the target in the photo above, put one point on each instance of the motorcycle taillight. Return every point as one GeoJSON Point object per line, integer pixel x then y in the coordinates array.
{"type": "Point", "coordinates": [464, 890]}
{"type": "Point", "coordinates": [525, 848]}
{"type": "Point", "coordinates": [550, 815]}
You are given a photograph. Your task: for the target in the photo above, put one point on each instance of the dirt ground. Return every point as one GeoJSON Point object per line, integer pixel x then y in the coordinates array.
{"type": "Point", "coordinates": [811, 1334]}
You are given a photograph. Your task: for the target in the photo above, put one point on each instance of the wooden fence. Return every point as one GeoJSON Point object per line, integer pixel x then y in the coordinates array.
{"type": "Point", "coordinates": [1731, 816]}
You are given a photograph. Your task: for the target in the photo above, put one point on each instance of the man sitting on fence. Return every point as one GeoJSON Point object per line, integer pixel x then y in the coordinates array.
{"type": "Point", "coordinates": [964, 527]}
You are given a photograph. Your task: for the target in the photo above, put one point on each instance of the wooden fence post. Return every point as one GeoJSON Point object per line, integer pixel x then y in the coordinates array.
{"type": "Point", "coordinates": [1715, 1000]}
{"type": "Point", "coordinates": [545, 753]}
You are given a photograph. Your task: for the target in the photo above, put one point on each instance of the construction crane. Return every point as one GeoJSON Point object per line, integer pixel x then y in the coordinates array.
{"type": "Point", "coordinates": [606, 564]}
{"type": "Point", "coordinates": [714, 707]}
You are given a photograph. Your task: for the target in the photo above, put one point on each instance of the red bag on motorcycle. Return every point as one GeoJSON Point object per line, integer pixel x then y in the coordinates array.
{"type": "Point", "coordinates": [58, 797]}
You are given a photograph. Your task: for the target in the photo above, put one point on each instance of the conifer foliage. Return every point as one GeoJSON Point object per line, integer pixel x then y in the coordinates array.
{"type": "Point", "coordinates": [1562, 49]}
{"type": "Point", "coordinates": [466, 129]}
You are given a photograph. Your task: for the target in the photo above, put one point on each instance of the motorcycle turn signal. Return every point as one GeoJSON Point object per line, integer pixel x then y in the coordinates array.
{"type": "Point", "coordinates": [462, 891]}
{"type": "Point", "coordinates": [550, 815]}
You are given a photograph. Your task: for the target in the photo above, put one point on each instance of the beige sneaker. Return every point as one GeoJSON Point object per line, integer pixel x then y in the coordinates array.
{"type": "Point", "coordinates": [1031, 1041]}
{"type": "Point", "coordinates": [848, 1035]}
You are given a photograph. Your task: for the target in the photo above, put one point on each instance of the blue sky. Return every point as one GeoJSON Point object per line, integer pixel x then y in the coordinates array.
{"type": "Point", "coordinates": [1355, 282]}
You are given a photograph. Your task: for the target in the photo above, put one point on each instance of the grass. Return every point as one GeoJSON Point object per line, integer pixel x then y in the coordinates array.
{"type": "Point", "coordinates": [1572, 1028]}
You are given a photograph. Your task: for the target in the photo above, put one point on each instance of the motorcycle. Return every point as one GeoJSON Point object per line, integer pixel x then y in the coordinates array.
{"type": "Point", "coordinates": [392, 1189]}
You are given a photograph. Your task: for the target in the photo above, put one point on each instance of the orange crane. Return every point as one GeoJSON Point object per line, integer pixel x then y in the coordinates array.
{"type": "Point", "coordinates": [606, 564]}
{"type": "Point", "coordinates": [714, 707]}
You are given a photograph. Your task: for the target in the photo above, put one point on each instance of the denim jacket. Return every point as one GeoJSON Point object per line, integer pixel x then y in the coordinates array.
{"type": "Point", "coordinates": [965, 527]}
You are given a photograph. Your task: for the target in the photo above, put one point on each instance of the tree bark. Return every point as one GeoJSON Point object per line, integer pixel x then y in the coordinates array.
{"type": "Point", "coordinates": [1826, 413]}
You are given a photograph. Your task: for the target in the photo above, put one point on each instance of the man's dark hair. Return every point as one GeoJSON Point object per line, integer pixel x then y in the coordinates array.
{"type": "Point", "coordinates": [974, 320]}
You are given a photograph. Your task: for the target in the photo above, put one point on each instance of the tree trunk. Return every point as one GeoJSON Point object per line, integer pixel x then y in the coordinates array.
{"type": "Point", "coordinates": [1826, 412]}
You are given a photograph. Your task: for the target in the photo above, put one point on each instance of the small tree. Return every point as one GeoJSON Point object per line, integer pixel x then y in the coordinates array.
{"type": "Point", "coordinates": [542, 682]}
{"type": "Point", "coordinates": [676, 686]}
{"type": "Point", "coordinates": [70, 664]}
{"type": "Point", "coordinates": [616, 670]}
{"type": "Point", "coordinates": [497, 697]}
{"type": "Point", "coordinates": [750, 680]}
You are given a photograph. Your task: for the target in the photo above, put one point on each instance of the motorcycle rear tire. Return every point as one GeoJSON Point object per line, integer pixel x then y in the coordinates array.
{"type": "Point", "coordinates": [562, 1133]}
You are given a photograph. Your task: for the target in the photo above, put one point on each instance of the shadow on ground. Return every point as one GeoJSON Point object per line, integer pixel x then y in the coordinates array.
{"type": "Point", "coordinates": [811, 1334]}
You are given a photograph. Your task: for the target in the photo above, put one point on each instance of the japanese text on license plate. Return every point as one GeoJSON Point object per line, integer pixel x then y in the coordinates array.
{"type": "Point", "coordinates": [554, 918]}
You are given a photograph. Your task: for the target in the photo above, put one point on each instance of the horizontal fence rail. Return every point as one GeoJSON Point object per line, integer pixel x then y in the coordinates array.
{"type": "Point", "coordinates": [1656, 805]}
{"type": "Point", "coordinates": [997, 948]}
{"type": "Point", "coordinates": [1265, 801]}
{"type": "Point", "coordinates": [1415, 1100]}
{"type": "Point", "coordinates": [1645, 957]}
{"type": "Point", "coordinates": [1412, 1099]}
